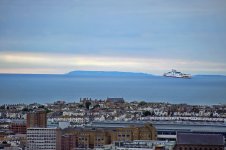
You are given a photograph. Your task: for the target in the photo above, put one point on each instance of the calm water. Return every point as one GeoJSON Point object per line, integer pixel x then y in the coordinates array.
{"type": "Point", "coordinates": [44, 89]}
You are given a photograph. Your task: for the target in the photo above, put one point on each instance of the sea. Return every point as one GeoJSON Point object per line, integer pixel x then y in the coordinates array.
{"type": "Point", "coordinates": [199, 90]}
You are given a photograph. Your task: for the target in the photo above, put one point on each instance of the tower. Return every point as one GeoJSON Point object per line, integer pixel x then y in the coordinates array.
{"type": "Point", "coordinates": [36, 119]}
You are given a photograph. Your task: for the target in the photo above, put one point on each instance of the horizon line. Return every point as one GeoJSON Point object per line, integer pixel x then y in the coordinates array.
{"type": "Point", "coordinates": [113, 71]}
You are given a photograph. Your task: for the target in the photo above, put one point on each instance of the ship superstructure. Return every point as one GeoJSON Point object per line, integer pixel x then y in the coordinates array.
{"type": "Point", "coordinates": [176, 74]}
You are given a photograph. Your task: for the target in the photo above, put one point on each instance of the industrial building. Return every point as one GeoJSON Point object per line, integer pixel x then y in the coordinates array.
{"type": "Point", "coordinates": [167, 130]}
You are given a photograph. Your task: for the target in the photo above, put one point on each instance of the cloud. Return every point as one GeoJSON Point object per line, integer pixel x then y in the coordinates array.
{"type": "Point", "coordinates": [139, 35]}
{"type": "Point", "coordinates": [61, 63]}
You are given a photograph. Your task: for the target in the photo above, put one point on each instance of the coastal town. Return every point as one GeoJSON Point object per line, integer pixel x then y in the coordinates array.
{"type": "Point", "coordinates": [76, 122]}
{"type": "Point", "coordinates": [112, 75]}
{"type": "Point", "coordinates": [88, 110]}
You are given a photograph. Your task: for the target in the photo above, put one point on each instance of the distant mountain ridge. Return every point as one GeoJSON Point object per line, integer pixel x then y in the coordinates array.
{"type": "Point", "coordinates": [108, 73]}
{"type": "Point", "coordinates": [207, 76]}
{"type": "Point", "coordinates": [80, 73]}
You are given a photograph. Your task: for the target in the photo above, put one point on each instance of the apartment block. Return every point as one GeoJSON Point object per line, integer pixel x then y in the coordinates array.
{"type": "Point", "coordinates": [37, 119]}
{"type": "Point", "coordinates": [44, 139]}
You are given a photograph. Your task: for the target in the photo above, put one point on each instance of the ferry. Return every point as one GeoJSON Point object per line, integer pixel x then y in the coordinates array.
{"type": "Point", "coordinates": [176, 74]}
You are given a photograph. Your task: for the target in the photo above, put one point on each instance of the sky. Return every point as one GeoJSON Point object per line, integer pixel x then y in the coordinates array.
{"type": "Point", "coordinates": [151, 36]}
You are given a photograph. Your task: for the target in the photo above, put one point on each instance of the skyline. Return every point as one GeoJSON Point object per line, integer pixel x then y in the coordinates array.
{"type": "Point", "coordinates": [131, 36]}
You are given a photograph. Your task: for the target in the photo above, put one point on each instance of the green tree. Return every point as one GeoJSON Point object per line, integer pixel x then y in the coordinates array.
{"type": "Point", "coordinates": [96, 106]}
{"type": "Point", "coordinates": [147, 113]}
{"type": "Point", "coordinates": [142, 103]}
{"type": "Point", "coordinates": [47, 110]}
{"type": "Point", "coordinates": [87, 104]}
{"type": "Point", "coordinates": [25, 109]}
{"type": "Point", "coordinates": [41, 106]}
{"type": "Point", "coordinates": [2, 107]}
{"type": "Point", "coordinates": [80, 106]}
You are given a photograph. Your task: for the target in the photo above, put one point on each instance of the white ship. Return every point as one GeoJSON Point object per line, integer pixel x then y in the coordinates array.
{"type": "Point", "coordinates": [176, 74]}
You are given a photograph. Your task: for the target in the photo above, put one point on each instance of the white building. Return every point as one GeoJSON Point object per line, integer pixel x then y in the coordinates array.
{"type": "Point", "coordinates": [64, 124]}
{"type": "Point", "coordinates": [44, 139]}
{"type": "Point", "coordinates": [142, 145]}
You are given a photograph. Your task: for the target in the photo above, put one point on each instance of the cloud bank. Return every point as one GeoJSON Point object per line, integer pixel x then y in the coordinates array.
{"type": "Point", "coordinates": [49, 36]}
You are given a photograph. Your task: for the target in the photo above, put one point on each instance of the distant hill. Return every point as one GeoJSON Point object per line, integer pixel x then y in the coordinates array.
{"type": "Point", "coordinates": [209, 76]}
{"type": "Point", "coordinates": [107, 74]}
{"type": "Point", "coordinates": [102, 74]}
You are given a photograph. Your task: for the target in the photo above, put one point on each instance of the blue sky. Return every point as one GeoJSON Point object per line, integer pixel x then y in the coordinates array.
{"type": "Point", "coordinates": [153, 36]}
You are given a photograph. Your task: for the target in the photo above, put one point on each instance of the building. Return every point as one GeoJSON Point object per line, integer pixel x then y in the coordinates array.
{"type": "Point", "coordinates": [37, 119]}
{"type": "Point", "coordinates": [197, 141]}
{"type": "Point", "coordinates": [167, 130]}
{"type": "Point", "coordinates": [4, 145]}
{"type": "Point", "coordinates": [85, 140]}
{"type": "Point", "coordinates": [93, 138]}
{"type": "Point", "coordinates": [17, 141]}
{"type": "Point", "coordinates": [68, 141]}
{"type": "Point", "coordinates": [4, 133]}
{"type": "Point", "coordinates": [143, 145]}
{"type": "Point", "coordinates": [63, 124]}
{"type": "Point", "coordinates": [146, 132]}
{"type": "Point", "coordinates": [18, 128]}
{"type": "Point", "coordinates": [81, 138]}
{"type": "Point", "coordinates": [115, 100]}
{"type": "Point", "coordinates": [99, 137]}
{"type": "Point", "coordinates": [44, 139]}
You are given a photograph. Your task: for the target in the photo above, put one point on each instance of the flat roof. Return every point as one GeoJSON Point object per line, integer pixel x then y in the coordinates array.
{"type": "Point", "coordinates": [200, 139]}
{"type": "Point", "coordinates": [167, 125]}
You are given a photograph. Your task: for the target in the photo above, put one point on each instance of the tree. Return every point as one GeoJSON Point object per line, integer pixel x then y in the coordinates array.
{"type": "Point", "coordinates": [142, 103]}
{"type": "Point", "coordinates": [96, 106]}
{"type": "Point", "coordinates": [87, 104]}
{"type": "Point", "coordinates": [2, 107]}
{"type": "Point", "coordinates": [25, 109]}
{"type": "Point", "coordinates": [80, 106]}
{"type": "Point", "coordinates": [41, 106]}
{"type": "Point", "coordinates": [211, 115]}
{"type": "Point", "coordinates": [47, 110]}
{"type": "Point", "coordinates": [147, 113]}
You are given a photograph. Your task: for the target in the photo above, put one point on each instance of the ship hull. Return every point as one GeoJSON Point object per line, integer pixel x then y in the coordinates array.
{"type": "Point", "coordinates": [177, 77]}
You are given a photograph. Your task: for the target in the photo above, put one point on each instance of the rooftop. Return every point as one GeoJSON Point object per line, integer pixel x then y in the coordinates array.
{"type": "Point", "coordinates": [168, 125]}
{"type": "Point", "coordinates": [200, 139]}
